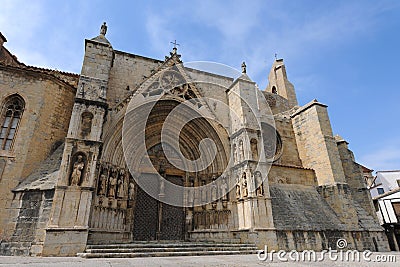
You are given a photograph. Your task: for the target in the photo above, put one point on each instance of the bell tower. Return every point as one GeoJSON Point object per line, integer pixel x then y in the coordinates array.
{"type": "Point", "coordinates": [67, 230]}
{"type": "Point", "coordinates": [279, 83]}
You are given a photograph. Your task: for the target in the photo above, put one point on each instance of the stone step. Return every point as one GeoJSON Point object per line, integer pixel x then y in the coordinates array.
{"type": "Point", "coordinates": [168, 245]}
{"type": "Point", "coordinates": [164, 254]}
{"type": "Point", "coordinates": [167, 249]}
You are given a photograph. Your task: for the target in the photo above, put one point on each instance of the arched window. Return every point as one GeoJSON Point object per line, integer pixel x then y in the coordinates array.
{"type": "Point", "coordinates": [274, 91]}
{"type": "Point", "coordinates": [10, 116]}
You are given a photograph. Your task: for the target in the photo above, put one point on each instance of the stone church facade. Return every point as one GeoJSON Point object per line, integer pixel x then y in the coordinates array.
{"type": "Point", "coordinates": [81, 162]}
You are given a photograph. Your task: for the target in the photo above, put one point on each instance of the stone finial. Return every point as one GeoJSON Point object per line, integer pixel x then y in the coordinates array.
{"type": "Point", "coordinates": [103, 29]}
{"type": "Point", "coordinates": [243, 67]}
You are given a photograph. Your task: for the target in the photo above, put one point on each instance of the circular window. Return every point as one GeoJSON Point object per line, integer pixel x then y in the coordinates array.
{"type": "Point", "coordinates": [272, 142]}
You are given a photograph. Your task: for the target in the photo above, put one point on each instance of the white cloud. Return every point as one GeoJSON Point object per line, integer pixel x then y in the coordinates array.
{"type": "Point", "coordinates": [234, 20]}
{"type": "Point", "coordinates": [19, 23]}
{"type": "Point", "coordinates": [158, 32]}
{"type": "Point", "coordinates": [385, 157]}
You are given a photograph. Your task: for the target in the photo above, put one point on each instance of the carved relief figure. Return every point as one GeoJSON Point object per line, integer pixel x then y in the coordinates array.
{"type": "Point", "coordinates": [259, 185]}
{"type": "Point", "coordinates": [254, 149]}
{"type": "Point", "coordinates": [241, 151]}
{"type": "Point", "coordinates": [214, 189]}
{"type": "Point", "coordinates": [102, 184]}
{"type": "Point", "coordinates": [86, 123]}
{"type": "Point", "coordinates": [121, 187]}
{"type": "Point", "coordinates": [131, 192]}
{"type": "Point", "coordinates": [77, 170]}
{"type": "Point", "coordinates": [235, 159]}
{"type": "Point", "coordinates": [244, 185]}
{"type": "Point", "coordinates": [224, 189]}
{"type": "Point", "coordinates": [113, 186]}
{"type": "Point", "coordinates": [238, 186]}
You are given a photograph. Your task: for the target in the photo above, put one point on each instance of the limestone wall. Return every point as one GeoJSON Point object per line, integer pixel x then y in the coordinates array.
{"type": "Point", "coordinates": [316, 144]}
{"type": "Point", "coordinates": [128, 71]}
{"type": "Point", "coordinates": [289, 154]}
{"type": "Point", "coordinates": [33, 214]}
{"type": "Point", "coordinates": [281, 174]}
{"type": "Point", "coordinates": [355, 179]}
{"type": "Point", "coordinates": [44, 124]}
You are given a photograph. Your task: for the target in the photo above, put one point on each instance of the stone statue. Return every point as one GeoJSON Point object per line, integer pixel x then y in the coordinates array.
{"type": "Point", "coordinates": [103, 29]}
{"type": "Point", "coordinates": [224, 189]}
{"type": "Point", "coordinates": [121, 188]}
{"type": "Point", "coordinates": [238, 187]}
{"type": "Point", "coordinates": [244, 67]}
{"type": "Point", "coordinates": [235, 159]}
{"type": "Point", "coordinates": [131, 190]}
{"type": "Point", "coordinates": [77, 171]}
{"type": "Point", "coordinates": [103, 184]}
{"type": "Point", "coordinates": [214, 189]}
{"type": "Point", "coordinates": [258, 182]}
{"type": "Point", "coordinates": [244, 185]}
{"type": "Point", "coordinates": [241, 151]}
{"type": "Point", "coordinates": [113, 185]}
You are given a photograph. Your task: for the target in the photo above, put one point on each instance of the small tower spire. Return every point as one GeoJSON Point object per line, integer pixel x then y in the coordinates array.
{"type": "Point", "coordinates": [244, 67]}
{"type": "Point", "coordinates": [103, 29]}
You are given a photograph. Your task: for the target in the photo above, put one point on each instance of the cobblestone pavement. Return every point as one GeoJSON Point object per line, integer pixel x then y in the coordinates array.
{"type": "Point", "coordinates": [225, 260]}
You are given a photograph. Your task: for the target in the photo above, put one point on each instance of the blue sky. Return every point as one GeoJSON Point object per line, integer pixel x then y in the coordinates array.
{"type": "Point", "coordinates": [343, 53]}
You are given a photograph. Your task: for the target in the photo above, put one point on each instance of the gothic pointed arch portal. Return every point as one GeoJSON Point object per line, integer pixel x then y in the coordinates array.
{"type": "Point", "coordinates": [153, 218]}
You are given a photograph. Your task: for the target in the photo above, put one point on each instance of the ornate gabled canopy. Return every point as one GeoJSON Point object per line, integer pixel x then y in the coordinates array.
{"type": "Point", "coordinates": [174, 58]}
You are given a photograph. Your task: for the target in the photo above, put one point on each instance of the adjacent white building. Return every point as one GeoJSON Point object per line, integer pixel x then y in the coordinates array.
{"type": "Point", "coordinates": [384, 182]}
{"type": "Point", "coordinates": [385, 191]}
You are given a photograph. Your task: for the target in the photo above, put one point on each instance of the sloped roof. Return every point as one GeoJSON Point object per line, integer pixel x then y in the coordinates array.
{"type": "Point", "coordinates": [44, 177]}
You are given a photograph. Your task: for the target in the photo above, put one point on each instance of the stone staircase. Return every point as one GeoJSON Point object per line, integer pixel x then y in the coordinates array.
{"type": "Point", "coordinates": [166, 249]}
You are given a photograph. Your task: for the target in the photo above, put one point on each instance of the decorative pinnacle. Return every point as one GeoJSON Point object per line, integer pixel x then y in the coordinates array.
{"type": "Point", "coordinates": [243, 67]}
{"type": "Point", "coordinates": [103, 29]}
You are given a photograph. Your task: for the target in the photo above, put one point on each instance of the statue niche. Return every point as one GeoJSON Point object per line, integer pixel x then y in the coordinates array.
{"type": "Point", "coordinates": [112, 184]}
{"type": "Point", "coordinates": [78, 168]}
{"type": "Point", "coordinates": [121, 184]}
{"type": "Point", "coordinates": [102, 184]}
{"type": "Point", "coordinates": [259, 183]}
{"type": "Point", "coordinates": [86, 123]}
{"type": "Point", "coordinates": [254, 149]}
{"type": "Point", "coordinates": [238, 187]}
{"type": "Point", "coordinates": [244, 185]}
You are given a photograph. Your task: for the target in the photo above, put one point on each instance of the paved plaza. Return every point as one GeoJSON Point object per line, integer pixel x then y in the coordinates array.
{"type": "Point", "coordinates": [225, 260]}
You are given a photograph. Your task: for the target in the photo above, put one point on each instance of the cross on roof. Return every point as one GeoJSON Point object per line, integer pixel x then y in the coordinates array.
{"type": "Point", "coordinates": [174, 43]}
